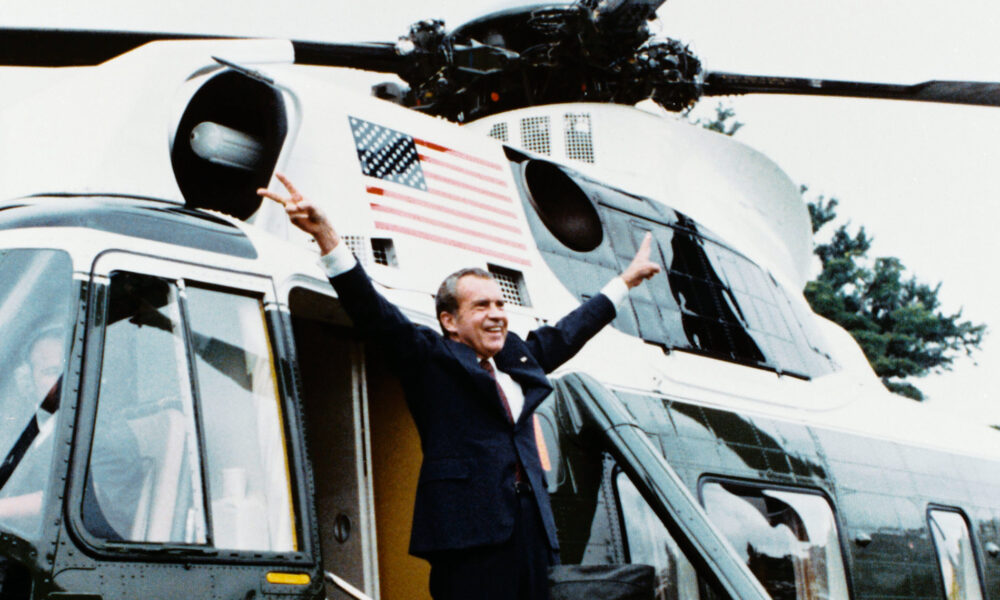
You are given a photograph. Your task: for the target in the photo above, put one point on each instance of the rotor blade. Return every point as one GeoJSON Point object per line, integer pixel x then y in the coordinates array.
{"type": "Point", "coordinates": [80, 48]}
{"type": "Point", "coordinates": [73, 47]}
{"type": "Point", "coordinates": [980, 93]}
{"type": "Point", "coordinates": [370, 56]}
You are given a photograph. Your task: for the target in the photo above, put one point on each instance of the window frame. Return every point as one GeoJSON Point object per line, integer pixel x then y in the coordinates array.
{"type": "Point", "coordinates": [704, 590]}
{"type": "Point", "coordinates": [756, 484]}
{"type": "Point", "coordinates": [54, 484]}
{"type": "Point", "coordinates": [183, 275]}
{"type": "Point", "coordinates": [973, 543]}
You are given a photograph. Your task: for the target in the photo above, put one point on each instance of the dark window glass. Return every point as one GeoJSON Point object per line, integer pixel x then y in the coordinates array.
{"type": "Point", "coordinates": [36, 318]}
{"type": "Point", "coordinates": [788, 539]}
{"type": "Point", "coordinates": [715, 301]}
{"type": "Point", "coordinates": [956, 555]}
{"type": "Point", "coordinates": [649, 543]}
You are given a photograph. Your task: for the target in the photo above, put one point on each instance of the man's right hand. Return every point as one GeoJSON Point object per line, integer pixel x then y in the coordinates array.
{"type": "Point", "coordinates": [305, 215]}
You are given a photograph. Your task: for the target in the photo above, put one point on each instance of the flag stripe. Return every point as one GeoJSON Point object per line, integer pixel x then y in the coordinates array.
{"type": "Point", "coordinates": [480, 205]}
{"type": "Point", "coordinates": [452, 226]}
{"type": "Point", "coordinates": [451, 211]}
{"type": "Point", "coordinates": [450, 242]}
{"type": "Point", "coordinates": [468, 157]}
{"type": "Point", "coordinates": [433, 161]}
{"type": "Point", "coordinates": [465, 186]}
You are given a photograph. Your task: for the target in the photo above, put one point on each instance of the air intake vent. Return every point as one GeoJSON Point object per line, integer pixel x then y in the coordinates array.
{"type": "Point", "coordinates": [379, 251]}
{"type": "Point", "coordinates": [384, 252]}
{"type": "Point", "coordinates": [359, 246]}
{"type": "Point", "coordinates": [499, 132]}
{"type": "Point", "coordinates": [511, 284]}
{"type": "Point", "coordinates": [579, 139]}
{"type": "Point", "coordinates": [535, 135]}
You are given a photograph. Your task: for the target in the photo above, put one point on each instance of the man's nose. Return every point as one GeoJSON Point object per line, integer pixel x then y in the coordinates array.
{"type": "Point", "coordinates": [497, 312]}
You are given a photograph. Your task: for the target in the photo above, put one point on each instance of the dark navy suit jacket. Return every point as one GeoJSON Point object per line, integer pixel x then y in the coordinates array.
{"type": "Point", "coordinates": [465, 494]}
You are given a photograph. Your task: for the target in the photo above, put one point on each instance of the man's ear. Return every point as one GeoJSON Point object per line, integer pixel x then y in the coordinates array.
{"type": "Point", "coordinates": [448, 323]}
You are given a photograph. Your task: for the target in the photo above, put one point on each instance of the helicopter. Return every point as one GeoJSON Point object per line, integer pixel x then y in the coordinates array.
{"type": "Point", "coordinates": [192, 414]}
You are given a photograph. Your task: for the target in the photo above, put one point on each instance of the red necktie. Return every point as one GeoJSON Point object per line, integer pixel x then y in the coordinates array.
{"type": "Point", "coordinates": [519, 475]}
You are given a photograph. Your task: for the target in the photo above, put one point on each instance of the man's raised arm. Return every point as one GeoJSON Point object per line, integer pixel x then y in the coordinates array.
{"type": "Point", "coordinates": [335, 257]}
{"type": "Point", "coordinates": [305, 215]}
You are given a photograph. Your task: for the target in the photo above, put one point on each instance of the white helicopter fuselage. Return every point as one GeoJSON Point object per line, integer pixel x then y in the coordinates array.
{"type": "Point", "coordinates": [122, 129]}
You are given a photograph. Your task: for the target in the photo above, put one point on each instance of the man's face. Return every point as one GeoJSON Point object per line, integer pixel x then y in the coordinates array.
{"type": "Point", "coordinates": [46, 363]}
{"type": "Point", "coordinates": [480, 321]}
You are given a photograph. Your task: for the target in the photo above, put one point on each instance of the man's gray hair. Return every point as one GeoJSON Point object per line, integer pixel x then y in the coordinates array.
{"type": "Point", "coordinates": [446, 299]}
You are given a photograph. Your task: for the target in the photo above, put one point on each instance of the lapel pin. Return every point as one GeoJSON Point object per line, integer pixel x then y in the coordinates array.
{"type": "Point", "coordinates": [524, 359]}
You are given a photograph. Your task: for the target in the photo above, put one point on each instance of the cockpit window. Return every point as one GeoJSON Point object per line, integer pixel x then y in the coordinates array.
{"type": "Point", "coordinates": [36, 318]}
{"type": "Point", "coordinates": [188, 450]}
{"type": "Point", "coordinates": [143, 482]}
{"type": "Point", "coordinates": [249, 488]}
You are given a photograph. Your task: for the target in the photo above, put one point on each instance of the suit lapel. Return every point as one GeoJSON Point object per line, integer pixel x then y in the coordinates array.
{"type": "Point", "coordinates": [486, 385]}
{"type": "Point", "coordinates": [515, 361]}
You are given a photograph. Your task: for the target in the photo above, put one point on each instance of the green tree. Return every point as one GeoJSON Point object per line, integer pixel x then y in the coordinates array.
{"type": "Point", "coordinates": [724, 122]}
{"type": "Point", "coordinates": [895, 318]}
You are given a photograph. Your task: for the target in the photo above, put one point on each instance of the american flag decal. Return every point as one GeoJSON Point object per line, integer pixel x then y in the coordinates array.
{"type": "Point", "coordinates": [424, 189]}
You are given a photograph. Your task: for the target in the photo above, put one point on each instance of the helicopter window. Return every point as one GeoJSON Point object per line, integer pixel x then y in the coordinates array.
{"type": "Point", "coordinates": [249, 487]}
{"type": "Point", "coordinates": [143, 482]}
{"type": "Point", "coordinates": [789, 539]}
{"type": "Point", "coordinates": [713, 300]}
{"type": "Point", "coordinates": [36, 317]}
{"type": "Point", "coordinates": [648, 542]}
{"type": "Point", "coordinates": [175, 436]}
{"type": "Point", "coordinates": [956, 556]}
{"type": "Point", "coordinates": [535, 136]}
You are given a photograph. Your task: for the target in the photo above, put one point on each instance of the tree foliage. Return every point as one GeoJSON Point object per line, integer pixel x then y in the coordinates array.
{"type": "Point", "coordinates": [895, 318]}
{"type": "Point", "coordinates": [721, 123]}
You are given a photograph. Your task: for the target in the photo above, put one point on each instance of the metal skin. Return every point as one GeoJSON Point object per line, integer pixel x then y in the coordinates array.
{"type": "Point", "coordinates": [103, 182]}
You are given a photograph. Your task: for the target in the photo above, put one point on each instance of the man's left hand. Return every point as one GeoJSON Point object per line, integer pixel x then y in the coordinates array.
{"type": "Point", "coordinates": [641, 268]}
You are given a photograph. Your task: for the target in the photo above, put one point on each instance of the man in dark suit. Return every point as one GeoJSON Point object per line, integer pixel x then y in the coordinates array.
{"type": "Point", "coordinates": [482, 515]}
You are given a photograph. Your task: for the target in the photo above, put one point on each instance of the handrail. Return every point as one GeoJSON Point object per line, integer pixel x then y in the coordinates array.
{"type": "Point", "coordinates": [352, 591]}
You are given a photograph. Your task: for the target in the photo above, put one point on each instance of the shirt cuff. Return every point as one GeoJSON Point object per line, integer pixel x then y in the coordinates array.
{"type": "Point", "coordinates": [616, 291]}
{"type": "Point", "coordinates": [337, 261]}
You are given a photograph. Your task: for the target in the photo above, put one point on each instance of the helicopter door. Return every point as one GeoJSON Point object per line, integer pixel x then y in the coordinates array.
{"type": "Point", "coordinates": [187, 433]}
{"type": "Point", "coordinates": [616, 499]}
{"type": "Point", "coordinates": [331, 365]}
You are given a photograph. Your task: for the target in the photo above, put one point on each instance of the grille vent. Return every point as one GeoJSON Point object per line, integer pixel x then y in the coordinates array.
{"type": "Point", "coordinates": [359, 246]}
{"type": "Point", "coordinates": [499, 132]}
{"type": "Point", "coordinates": [379, 251]}
{"type": "Point", "coordinates": [535, 135]}
{"type": "Point", "coordinates": [579, 137]}
{"type": "Point", "coordinates": [511, 284]}
{"type": "Point", "coordinates": [384, 252]}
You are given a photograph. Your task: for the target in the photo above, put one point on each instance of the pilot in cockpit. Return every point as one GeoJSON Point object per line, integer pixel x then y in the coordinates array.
{"type": "Point", "coordinates": [28, 428]}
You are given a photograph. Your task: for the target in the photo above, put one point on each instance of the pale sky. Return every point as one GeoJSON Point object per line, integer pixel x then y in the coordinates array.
{"type": "Point", "coordinates": [920, 177]}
